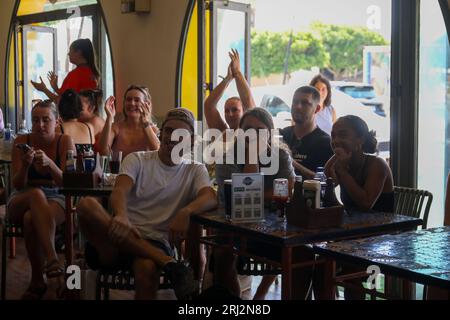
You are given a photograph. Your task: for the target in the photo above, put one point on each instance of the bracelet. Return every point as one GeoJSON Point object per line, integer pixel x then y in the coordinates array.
{"type": "Point", "coordinates": [148, 124]}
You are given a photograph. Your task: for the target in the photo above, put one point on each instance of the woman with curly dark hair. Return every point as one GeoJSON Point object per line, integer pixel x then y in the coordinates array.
{"type": "Point", "coordinates": [137, 132]}
{"type": "Point", "coordinates": [365, 179]}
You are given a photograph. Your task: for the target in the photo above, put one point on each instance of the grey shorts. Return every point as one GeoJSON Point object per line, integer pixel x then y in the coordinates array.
{"type": "Point", "coordinates": [50, 193]}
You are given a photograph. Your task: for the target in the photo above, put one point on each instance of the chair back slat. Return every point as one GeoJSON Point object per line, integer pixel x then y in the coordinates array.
{"type": "Point", "coordinates": [413, 202]}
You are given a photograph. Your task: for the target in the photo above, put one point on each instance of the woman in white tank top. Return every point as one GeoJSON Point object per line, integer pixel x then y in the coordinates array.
{"type": "Point", "coordinates": [327, 114]}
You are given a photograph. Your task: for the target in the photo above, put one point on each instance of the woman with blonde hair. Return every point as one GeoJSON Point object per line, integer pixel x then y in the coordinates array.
{"type": "Point", "coordinates": [136, 132]}
{"type": "Point", "coordinates": [38, 161]}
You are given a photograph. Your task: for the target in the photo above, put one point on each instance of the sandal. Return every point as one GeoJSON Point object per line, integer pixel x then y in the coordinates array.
{"type": "Point", "coordinates": [56, 273]}
{"type": "Point", "coordinates": [34, 293]}
{"type": "Point", "coordinates": [54, 269]}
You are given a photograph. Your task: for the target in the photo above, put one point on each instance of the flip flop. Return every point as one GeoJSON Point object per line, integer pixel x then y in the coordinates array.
{"type": "Point", "coordinates": [54, 269]}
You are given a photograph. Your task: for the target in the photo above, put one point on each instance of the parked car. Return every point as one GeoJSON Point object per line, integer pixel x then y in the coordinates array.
{"type": "Point", "coordinates": [277, 100]}
{"type": "Point", "coordinates": [364, 93]}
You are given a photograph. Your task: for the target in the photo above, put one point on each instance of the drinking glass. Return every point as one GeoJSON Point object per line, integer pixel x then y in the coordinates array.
{"type": "Point", "coordinates": [115, 159]}
{"type": "Point", "coordinates": [281, 196]}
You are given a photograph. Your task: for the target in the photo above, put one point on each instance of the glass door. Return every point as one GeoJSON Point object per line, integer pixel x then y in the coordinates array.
{"type": "Point", "coordinates": [230, 23]}
{"type": "Point", "coordinates": [39, 57]}
{"type": "Point", "coordinates": [434, 108]}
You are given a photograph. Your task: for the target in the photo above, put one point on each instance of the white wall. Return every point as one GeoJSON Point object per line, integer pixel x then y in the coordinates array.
{"type": "Point", "coordinates": [145, 48]}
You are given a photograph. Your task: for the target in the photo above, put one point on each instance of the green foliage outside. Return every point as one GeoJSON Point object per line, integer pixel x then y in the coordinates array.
{"type": "Point", "coordinates": [339, 48]}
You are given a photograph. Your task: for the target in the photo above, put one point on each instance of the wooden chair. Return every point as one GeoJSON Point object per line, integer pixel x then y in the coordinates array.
{"type": "Point", "coordinates": [122, 279]}
{"type": "Point", "coordinates": [413, 202]}
{"type": "Point", "coordinates": [10, 231]}
{"type": "Point", "coordinates": [119, 279]}
{"type": "Point", "coordinates": [409, 202]}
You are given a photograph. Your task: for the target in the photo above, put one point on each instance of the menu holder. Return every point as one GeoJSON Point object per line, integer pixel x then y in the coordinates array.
{"type": "Point", "coordinates": [78, 179]}
{"type": "Point", "coordinates": [303, 216]}
{"type": "Point", "coordinates": [247, 197]}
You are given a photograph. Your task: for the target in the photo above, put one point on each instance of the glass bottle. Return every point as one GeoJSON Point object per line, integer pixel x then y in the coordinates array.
{"type": "Point", "coordinates": [70, 161]}
{"type": "Point", "coordinates": [8, 132]}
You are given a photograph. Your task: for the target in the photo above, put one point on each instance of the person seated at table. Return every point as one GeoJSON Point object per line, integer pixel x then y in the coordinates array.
{"type": "Point", "coordinates": [310, 146]}
{"type": "Point", "coordinates": [90, 105]}
{"type": "Point", "coordinates": [152, 201]}
{"type": "Point", "coordinates": [35, 202]}
{"type": "Point", "coordinates": [366, 180]}
{"type": "Point", "coordinates": [225, 261]}
{"type": "Point", "coordinates": [82, 133]}
{"type": "Point", "coordinates": [137, 132]}
{"type": "Point", "coordinates": [256, 119]}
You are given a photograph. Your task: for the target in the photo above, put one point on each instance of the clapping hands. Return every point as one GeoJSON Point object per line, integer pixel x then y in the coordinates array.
{"type": "Point", "coordinates": [110, 107]}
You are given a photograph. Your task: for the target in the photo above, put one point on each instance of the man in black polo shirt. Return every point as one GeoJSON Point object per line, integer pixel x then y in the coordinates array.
{"type": "Point", "coordinates": [310, 146]}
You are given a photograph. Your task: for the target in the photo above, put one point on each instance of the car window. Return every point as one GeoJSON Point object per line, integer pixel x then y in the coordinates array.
{"type": "Point", "coordinates": [275, 105]}
{"type": "Point", "coordinates": [365, 92]}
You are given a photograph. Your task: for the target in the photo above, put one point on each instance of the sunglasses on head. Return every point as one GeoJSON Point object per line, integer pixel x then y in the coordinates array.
{"type": "Point", "coordinates": [37, 102]}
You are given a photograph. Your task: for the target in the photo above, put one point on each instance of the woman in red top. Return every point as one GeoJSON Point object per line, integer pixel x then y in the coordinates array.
{"type": "Point", "coordinates": [85, 76]}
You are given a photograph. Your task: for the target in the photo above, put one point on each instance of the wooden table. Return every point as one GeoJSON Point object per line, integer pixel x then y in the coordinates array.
{"type": "Point", "coordinates": [419, 256]}
{"type": "Point", "coordinates": [287, 237]}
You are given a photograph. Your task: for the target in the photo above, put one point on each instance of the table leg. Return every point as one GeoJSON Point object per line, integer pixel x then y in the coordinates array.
{"type": "Point", "coordinates": [12, 247]}
{"type": "Point", "coordinates": [69, 232]}
{"type": "Point", "coordinates": [7, 185]}
{"type": "Point", "coordinates": [328, 291]}
{"type": "Point", "coordinates": [193, 249]}
{"type": "Point", "coordinates": [286, 279]}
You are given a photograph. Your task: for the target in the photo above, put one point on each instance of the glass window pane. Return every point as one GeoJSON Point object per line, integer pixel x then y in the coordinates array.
{"type": "Point", "coordinates": [67, 32]}
{"type": "Point", "coordinates": [350, 47]}
{"type": "Point", "coordinates": [109, 86]}
{"type": "Point", "coordinates": [39, 61]}
{"type": "Point", "coordinates": [230, 35]}
{"type": "Point", "coordinates": [433, 158]}
{"type": "Point", "coordinates": [38, 6]}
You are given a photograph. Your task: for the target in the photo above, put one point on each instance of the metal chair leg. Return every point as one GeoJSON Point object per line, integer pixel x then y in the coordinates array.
{"type": "Point", "coordinates": [3, 287]}
{"type": "Point", "coordinates": [106, 293]}
{"type": "Point", "coordinates": [12, 246]}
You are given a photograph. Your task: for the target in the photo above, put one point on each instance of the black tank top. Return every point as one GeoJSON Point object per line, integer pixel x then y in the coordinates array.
{"type": "Point", "coordinates": [82, 148]}
{"type": "Point", "coordinates": [35, 175]}
{"type": "Point", "coordinates": [384, 203]}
